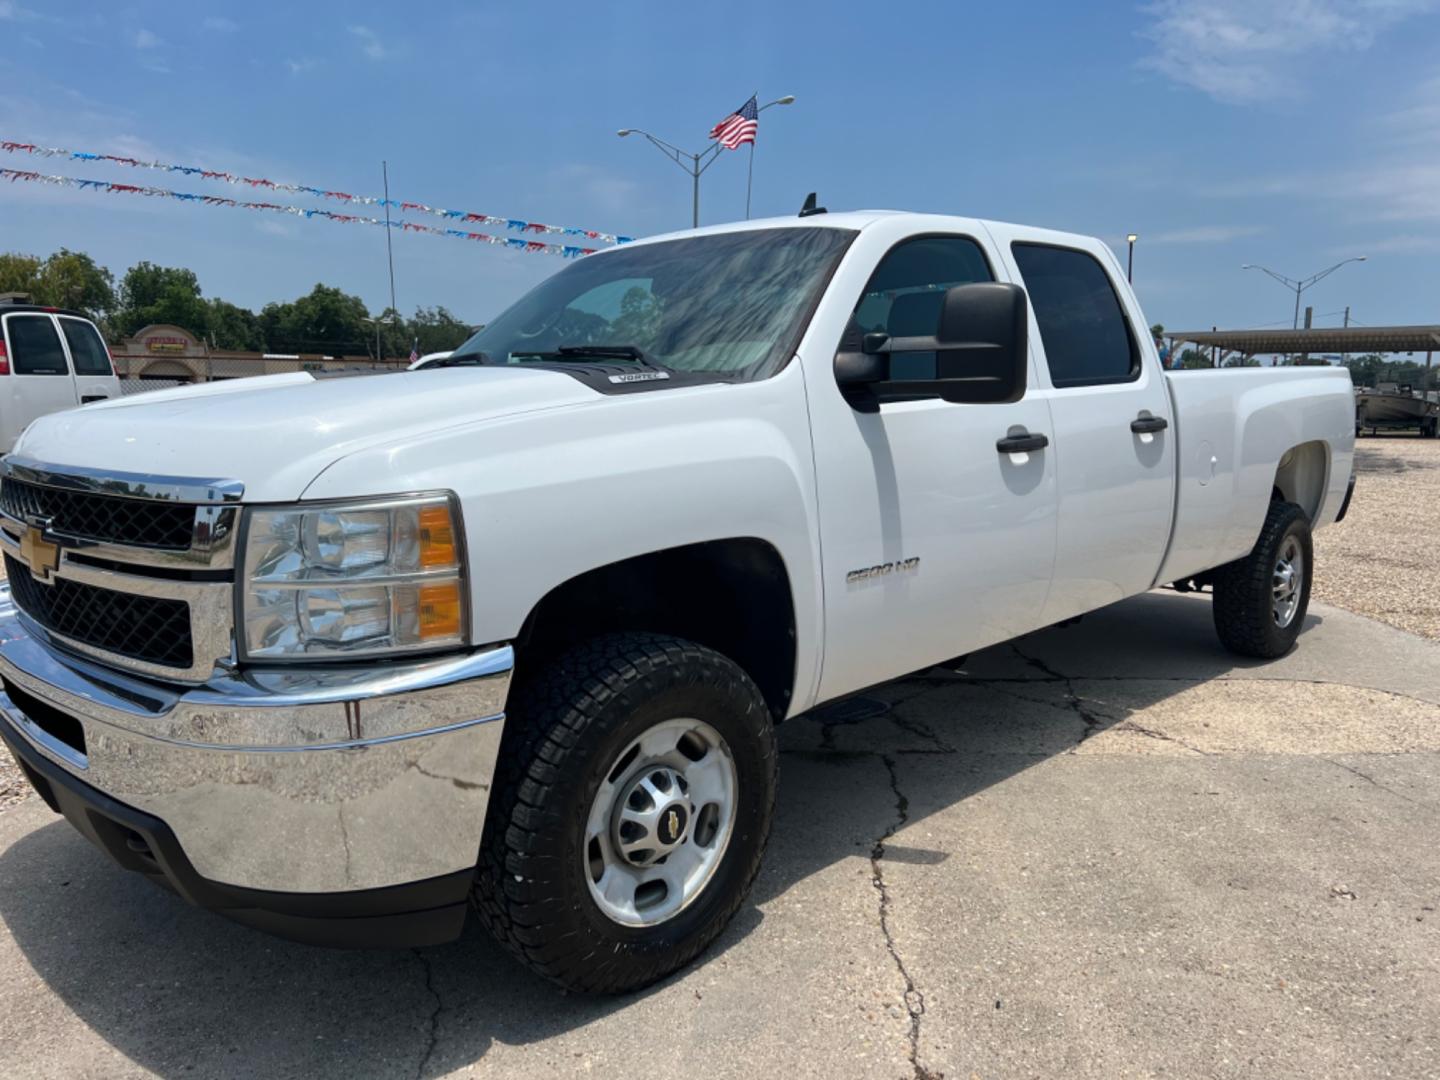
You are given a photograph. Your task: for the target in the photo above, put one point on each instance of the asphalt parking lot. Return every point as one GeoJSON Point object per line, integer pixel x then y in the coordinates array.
{"type": "Point", "coordinates": [1105, 850]}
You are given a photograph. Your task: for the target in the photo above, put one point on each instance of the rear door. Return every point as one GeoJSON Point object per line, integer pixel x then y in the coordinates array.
{"type": "Point", "coordinates": [90, 359]}
{"type": "Point", "coordinates": [1113, 435]}
{"type": "Point", "coordinates": [40, 380]}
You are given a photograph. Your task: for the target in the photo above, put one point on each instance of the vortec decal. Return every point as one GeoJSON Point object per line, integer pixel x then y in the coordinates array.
{"type": "Point", "coordinates": [639, 376]}
{"type": "Point", "coordinates": [904, 566]}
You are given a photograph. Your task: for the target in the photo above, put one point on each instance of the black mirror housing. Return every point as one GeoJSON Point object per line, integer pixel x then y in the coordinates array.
{"type": "Point", "coordinates": [983, 343]}
{"type": "Point", "coordinates": [981, 348]}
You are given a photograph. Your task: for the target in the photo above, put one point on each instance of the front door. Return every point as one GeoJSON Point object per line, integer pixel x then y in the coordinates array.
{"type": "Point", "coordinates": [1114, 435]}
{"type": "Point", "coordinates": [40, 381]}
{"type": "Point", "coordinates": [934, 543]}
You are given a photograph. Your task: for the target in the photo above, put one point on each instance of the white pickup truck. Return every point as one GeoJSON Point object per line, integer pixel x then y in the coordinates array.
{"type": "Point", "coordinates": [344, 657]}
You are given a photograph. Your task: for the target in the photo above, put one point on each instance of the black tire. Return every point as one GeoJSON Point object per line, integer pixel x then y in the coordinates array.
{"type": "Point", "coordinates": [1243, 602]}
{"type": "Point", "coordinates": [566, 727]}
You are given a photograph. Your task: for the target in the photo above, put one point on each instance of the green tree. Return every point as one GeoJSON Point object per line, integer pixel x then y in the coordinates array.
{"type": "Point", "coordinates": [229, 326]}
{"type": "Point", "coordinates": [19, 273]}
{"type": "Point", "coordinates": [325, 320]}
{"type": "Point", "coordinates": [1194, 358]}
{"type": "Point", "coordinates": [436, 330]}
{"type": "Point", "coordinates": [160, 294]}
{"type": "Point", "coordinates": [72, 279]}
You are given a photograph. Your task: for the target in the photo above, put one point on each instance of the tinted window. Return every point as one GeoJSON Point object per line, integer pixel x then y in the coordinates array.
{"type": "Point", "coordinates": [905, 294]}
{"type": "Point", "coordinates": [87, 351]}
{"type": "Point", "coordinates": [730, 302]}
{"type": "Point", "coordinates": [35, 346]}
{"type": "Point", "coordinates": [1082, 325]}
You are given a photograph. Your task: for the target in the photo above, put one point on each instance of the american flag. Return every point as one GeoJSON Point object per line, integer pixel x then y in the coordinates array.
{"type": "Point", "coordinates": [415, 351]}
{"type": "Point", "coordinates": [739, 127]}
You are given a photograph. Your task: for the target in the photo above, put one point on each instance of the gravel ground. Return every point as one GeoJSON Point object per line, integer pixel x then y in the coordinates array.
{"type": "Point", "coordinates": [1376, 562]}
{"type": "Point", "coordinates": [1380, 562]}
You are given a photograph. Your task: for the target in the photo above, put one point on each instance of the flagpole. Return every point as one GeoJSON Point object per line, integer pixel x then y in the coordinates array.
{"type": "Point", "coordinates": [749, 179]}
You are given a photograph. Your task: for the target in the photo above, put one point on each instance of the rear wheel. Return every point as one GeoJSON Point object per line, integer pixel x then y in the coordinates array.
{"type": "Point", "coordinates": [1260, 600]}
{"type": "Point", "coordinates": [631, 808]}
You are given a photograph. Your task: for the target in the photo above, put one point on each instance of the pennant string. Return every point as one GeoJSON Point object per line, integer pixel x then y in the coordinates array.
{"type": "Point", "coordinates": [566, 251]}
{"type": "Point", "coordinates": [407, 206]}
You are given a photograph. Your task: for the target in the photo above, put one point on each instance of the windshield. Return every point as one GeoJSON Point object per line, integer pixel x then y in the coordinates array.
{"type": "Point", "coordinates": [729, 303]}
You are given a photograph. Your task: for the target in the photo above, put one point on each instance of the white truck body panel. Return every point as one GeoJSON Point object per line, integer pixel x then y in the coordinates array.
{"type": "Point", "coordinates": [555, 479]}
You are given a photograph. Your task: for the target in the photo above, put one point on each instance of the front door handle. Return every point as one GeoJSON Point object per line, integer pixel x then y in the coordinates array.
{"type": "Point", "coordinates": [1148, 425]}
{"type": "Point", "coordinates": [1021, 442]}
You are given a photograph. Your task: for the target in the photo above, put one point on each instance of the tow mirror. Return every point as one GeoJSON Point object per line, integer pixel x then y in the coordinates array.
{"type": "Point", "coordinates": [980, 350]}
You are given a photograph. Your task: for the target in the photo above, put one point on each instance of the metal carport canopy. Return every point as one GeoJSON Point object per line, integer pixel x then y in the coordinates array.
{"type": "Point", "coordinates": [1349, 339]}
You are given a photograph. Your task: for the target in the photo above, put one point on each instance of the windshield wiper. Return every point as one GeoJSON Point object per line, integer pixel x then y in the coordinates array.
{"type": "Point", "coordinates": [471, 359]}
{"type": "Point", "coordinates": [586, 353]}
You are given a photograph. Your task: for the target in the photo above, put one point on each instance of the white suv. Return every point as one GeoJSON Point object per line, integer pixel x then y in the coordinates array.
{"type": "Point", "coordinates": [50, 359]}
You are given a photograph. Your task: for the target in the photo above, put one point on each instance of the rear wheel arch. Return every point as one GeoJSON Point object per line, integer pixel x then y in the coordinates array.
{"type": "Point", "coordinates": [731, 595]}
{"type": "Point", "coordinates": [1301, 477]}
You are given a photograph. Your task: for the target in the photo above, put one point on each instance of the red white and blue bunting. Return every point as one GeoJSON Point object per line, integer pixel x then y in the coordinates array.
{"type": "Point", "coordinates": [515, 243]}
{"type": "Point", "coordinates": [260, 183]}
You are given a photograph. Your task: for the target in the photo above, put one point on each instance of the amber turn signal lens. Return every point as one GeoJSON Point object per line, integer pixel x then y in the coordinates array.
{"type": "Point", "coordinates": [440, 611]}
{"type": "Point", "coordinates": [437, 538]}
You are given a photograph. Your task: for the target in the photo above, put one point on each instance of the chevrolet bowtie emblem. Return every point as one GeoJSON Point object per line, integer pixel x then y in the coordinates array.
{"type": "Point", "coordinates": [39, 554]}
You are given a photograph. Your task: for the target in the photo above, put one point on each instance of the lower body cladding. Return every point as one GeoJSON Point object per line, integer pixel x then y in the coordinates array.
{"type": "Point", "coordinates": [328, 806]}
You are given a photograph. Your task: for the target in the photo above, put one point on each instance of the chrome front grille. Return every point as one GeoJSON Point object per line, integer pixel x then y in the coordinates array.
{"type": "Point", "coordinates": [135, 571]}
{"type": "Point", "coordinates": [153, 629]}
{"type": "Point", "coordinates": [106, 518]}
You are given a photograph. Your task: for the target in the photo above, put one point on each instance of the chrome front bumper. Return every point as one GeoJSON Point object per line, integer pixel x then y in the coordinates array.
{"type": "Point", "coordinates": [293, 780]}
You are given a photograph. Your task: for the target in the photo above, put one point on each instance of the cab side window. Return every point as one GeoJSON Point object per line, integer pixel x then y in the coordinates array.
{"type": "Point", "coordinates": [905, 294]}
{"type": "Point", "coordinates": [1087, 339]}
{"type": "Point", "coordinates": [86, 349]}
{"type": "Point", "coordinates": [35, 346]}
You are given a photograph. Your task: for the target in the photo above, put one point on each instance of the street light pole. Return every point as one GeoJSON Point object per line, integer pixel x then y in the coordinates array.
{"type": "Point", "coordinates": [694, 164]}
{"type": "Point", "coordinates": [1301, 284]}
{"type": "Point", "coordinates": [1130, 262]}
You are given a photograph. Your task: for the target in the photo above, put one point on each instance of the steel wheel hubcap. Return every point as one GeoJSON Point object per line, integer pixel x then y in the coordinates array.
{"type": "Point", "coordinates": [660, 822]}
{"type": "Point", "coordinates": [1287, 582]}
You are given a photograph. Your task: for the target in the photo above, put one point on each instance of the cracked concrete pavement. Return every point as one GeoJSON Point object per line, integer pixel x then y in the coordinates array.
{"type": "Point", "coordinates": [1107, 850]}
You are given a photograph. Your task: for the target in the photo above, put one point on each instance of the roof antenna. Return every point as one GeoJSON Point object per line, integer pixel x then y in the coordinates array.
{"type": "Point", "coordinates": [810, 207]}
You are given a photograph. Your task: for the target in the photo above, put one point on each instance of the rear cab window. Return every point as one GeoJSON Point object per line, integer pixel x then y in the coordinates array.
{"type": "Point", "coordinates": [1087, 338]}
{"type": "Point", "coordinates": [35, 347]}
{"type": "Point", "coordinates": [87, 350]}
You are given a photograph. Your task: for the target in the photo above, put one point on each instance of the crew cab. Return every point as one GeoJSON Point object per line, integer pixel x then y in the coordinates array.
{"type": "Point", "coordinates": [343, 657]}
{"type": "Point", "coordinates": [50, 359]}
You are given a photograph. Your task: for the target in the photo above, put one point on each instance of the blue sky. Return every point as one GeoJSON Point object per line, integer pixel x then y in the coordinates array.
{"type": "Point", "coordinates": [1291, 134]}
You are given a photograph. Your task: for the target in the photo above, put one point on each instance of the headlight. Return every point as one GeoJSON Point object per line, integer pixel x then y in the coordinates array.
{"type": "Point", "coordinates": [352, 579]}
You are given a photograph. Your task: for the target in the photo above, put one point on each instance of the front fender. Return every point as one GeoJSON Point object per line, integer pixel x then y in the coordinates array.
{"type": "Point", "coordinates": [549, 496]}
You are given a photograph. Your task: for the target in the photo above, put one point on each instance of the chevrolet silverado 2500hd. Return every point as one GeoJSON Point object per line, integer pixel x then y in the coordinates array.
{"type": "Point", "coordinates": [341, 658]}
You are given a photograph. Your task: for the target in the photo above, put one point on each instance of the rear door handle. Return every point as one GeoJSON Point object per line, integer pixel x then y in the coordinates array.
{"type": "Point", "coordinates": [1021, 443]}
{"type": "Point", "coordinates": [86, 399]}
{"type": "Point", "coordinates": [1148, 425]}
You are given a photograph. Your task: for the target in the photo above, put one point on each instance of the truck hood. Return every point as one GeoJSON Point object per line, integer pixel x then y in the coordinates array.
{"type": "Point", "coordinates": [276, 433]}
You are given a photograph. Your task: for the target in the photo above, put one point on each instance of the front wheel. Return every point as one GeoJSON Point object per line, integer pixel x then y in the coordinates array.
{"type": "Point", "coordinates": [1260, 600]}
{"type": "Point", "coordinates": [631, 807]}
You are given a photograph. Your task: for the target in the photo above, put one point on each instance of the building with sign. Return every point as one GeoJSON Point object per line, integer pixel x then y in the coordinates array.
{"type": "Point", "coordinates": [174, 355]}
